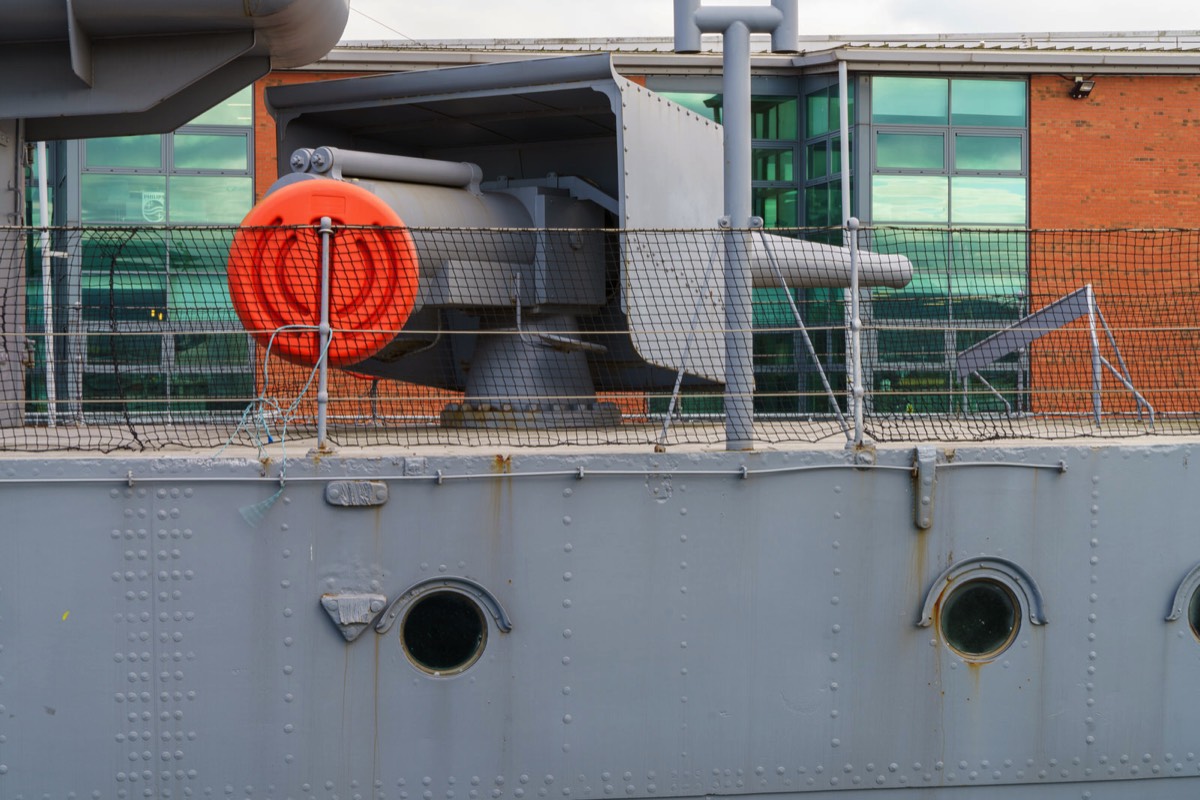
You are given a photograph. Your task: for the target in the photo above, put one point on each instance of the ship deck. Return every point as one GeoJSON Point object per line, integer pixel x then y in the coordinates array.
{"type": "Point", "coordinates": [214, 441]}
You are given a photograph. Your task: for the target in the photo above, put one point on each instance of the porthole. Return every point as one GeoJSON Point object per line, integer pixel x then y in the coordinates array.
{"type": "Point", "coordinates": [1194, 612]}
{"type": "Point", "coordinates": [443, 632]}
{"type": "Point", "coordinates": [979, 619]}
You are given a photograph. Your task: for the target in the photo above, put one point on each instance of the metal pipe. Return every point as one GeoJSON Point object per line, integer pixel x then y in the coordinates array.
{"type": "Point", "coordinates": [807, 264]}
{"type": "Point", "coordinates": [756, 19]}
{"type": "Point", "coordinates": [844, 132]}
{"type": "Point", "coordinates": [858, 393]}
{"type": "Point", "coordinates": [739, 311]}
{"type": "Point", "coordinates": [47, 287]}
{"type": "Point", "coordinates": [785, 38]}
{"type": "Point", "coordinates": [379, 166]}
{"type": "Point", "coordinates": [781, 20]}
{"type": "Point", "coordinates": [687, 32]}
{"type": "Point", "coordinates": [325, 332]}
{"type": "Point", "coordinates": [850, 233]}
{"type": "Point", "coordinates": [1097, 370]}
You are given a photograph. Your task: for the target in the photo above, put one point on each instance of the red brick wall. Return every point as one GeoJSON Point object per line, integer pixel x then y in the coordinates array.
{"type": "Point", "coordinates": [1127, 156]}
{"type": "Point", "coordinates": [266, 162]}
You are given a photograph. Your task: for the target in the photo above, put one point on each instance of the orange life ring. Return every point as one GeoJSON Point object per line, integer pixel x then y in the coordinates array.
{"type": "Point", "coordinates": [274, 271]}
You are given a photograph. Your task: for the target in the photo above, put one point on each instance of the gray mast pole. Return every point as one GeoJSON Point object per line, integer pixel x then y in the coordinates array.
{"type": "Point", "coordinates": [736, 23]}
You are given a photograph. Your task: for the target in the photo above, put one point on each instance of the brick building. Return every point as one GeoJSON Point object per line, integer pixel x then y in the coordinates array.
{"type": "Point", "coordinates": [964, 152]}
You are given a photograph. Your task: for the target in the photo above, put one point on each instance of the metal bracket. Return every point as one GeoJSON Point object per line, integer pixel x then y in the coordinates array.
{"type": "Point", "coordinates": [356, 493]}
{"type": "Point", "coordinates": [1183, 595]}
{"type": "Point", "coordinates": [924, 487]}
{"type": "Point", "coordinates": [463, 585]}
{"type": "Point", "coordinates": [353, 612]}
{"type": "Point", "coordinates": [1000, 570]}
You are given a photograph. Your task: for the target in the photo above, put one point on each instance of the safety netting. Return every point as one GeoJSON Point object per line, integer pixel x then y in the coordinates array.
{"type": "Point", "coordinates": [154, 337]}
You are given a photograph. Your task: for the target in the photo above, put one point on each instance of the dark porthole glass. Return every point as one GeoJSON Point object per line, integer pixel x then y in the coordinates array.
{"type": "Point", "coordinates": [1194, 612]}
{"type": "Point", "coordinates": [444, 633]}
{"type": "Point", "coordinates": [979, 619]}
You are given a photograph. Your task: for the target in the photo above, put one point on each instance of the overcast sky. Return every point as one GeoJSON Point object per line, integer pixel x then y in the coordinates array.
{"type": "Point", "coordinates": [488, 19]}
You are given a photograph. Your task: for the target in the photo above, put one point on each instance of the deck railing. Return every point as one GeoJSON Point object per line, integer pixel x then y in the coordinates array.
{"type": "Point", "coordinates": [539, 338]}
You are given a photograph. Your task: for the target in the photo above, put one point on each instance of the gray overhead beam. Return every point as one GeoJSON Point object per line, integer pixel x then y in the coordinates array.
{"type": "Point", "coordinates": [91, 60]}
{"type": "Point", "coordinates": [168, 115]}
{"type": "Point", "coordinates": [128, 76]}
{"type": "Point", "coordinates": [81, 47]}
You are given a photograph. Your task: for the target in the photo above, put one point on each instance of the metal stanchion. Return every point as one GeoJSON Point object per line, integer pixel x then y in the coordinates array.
{"type": "Point", "coordinates": [325, 332]}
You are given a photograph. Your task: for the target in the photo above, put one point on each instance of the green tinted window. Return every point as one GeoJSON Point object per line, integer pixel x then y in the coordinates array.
{"type": "Point", "coordinates": [909, 198]}
{"type": "Point", "coordinates": [207, 199]}
{"type": "Point", "coordinates": [910, 101]}
{"type": "Point", "coordinates": [124, 152]}
{"type": "Point", "coordinates": [910, 151]}
{"type": "Point", "coordinates": [991, 201]}
{"type": "Point", "coordinates": [817, 158]}
{"type": "Point", "coordinates": [770, 117]}
{"type": "Point", "coordinates": [822, 111]}
{"type": "Point", "coordinates": [818, 120]}
{"type": "Point", "coordinates": [211, 151]}
{"type": "Point", "coordinates": [211, 349]}
{"type": "Point", "coordinates": [823, 206]}
{"type": "Point", "coordinates": [987, 153]}
{"type": "Point", "coordinates": [136, 199]}
{"type": "Point", "coordinates": [926, 295]}
{"type": "Point", "coordinates": [774, 164]}
{"type": "Point", "coordinates": [100, 389]}
{"type": "Point", "coordinates": [124, 348]}
{"type": "Point", "coordinates": [200, 391]}
{"type": "Point", "coordinates": [234, 111]}
{"type": "Point", "coordinates": [124, 297]}
{"type": "Point", "coordinates": [774, 118]}
{"type": "Point", "coordinates": [777, 207]}
{"type": "Point", "coordinates": [912, 392]}
{"type": "Point", "coordinates": [987, 278]}
{"type": "Point", "coordinates": [124, 251]}
{"type": "Point", "coordinates": [835, 154]}
{"type": "Point", "coordinates": [193, 252]}
{"type": "Point", "coordinates": [911, 345]}
{"type": "Point", "coordinates": [199, 297]}
{"type": "Point", "coordinates": [988, 103]}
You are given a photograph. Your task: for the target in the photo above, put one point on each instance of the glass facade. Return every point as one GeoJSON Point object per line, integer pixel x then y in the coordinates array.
{"type": "Point", "coordinates": [949, 165]}
{"type": "Point", "coordinates": [135, 284]}
{"type": "Point", "coordinates": [796, 186]}
{"type": "Point", "coordinates": [945, 182]}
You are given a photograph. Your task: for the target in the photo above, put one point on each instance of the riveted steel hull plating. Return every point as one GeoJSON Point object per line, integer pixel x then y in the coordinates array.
{"type": "Point", "coordinates": [674, 625]}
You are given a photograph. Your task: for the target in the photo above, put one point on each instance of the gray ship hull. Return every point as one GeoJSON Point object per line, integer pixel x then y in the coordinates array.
{"type": "Point", "coordinates": [656, 625]}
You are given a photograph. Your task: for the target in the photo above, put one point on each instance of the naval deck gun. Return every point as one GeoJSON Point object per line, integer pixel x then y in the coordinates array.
{"type": "Point", "coordinates": [955, 622]}
{"type": "Point", "coordinates": [502, 236]}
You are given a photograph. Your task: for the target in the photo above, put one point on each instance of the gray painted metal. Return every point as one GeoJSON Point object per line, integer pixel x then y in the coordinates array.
{"type": "Point", "coordinates": [1058, 314]}
{"type": "Point", "coordinates": [93, 67]}
{"type": "Point", "coordinates": [83, 68]}
{"type": "Point", "coordinates": [1062, 312]}
{"type": "Point", "coordinates": [357, 164]}
{"type": "Point", "coordinates": [13, 352]}
{"type": "Point", "coordinates": [13, 346]}
{"type": "Point", "coordinates": [736, 24]}
{"type": "Point", "coordinates": [660, 161]}
{"type": "Point", "coordinates": [679, 625]}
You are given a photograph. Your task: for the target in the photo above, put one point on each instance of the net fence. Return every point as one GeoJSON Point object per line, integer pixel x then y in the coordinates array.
{"type": "Point", "coordinates": [148, 338]}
